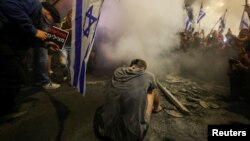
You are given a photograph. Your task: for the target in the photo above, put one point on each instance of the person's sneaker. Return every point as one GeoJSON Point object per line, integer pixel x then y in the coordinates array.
{"type": "Point", "coordinates": [51, 86]}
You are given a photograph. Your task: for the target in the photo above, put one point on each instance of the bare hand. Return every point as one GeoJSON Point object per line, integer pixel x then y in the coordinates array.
{"type": "Point", "coordinates": [53, 47]}
{"type": "Point", "coordinates": [41, 35]}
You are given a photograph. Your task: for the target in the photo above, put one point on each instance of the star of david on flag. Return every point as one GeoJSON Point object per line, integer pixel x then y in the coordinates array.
{"type": "Point", "coordinates": [85, 18]}
{"type": "Point", "coordinates": [91, 20]}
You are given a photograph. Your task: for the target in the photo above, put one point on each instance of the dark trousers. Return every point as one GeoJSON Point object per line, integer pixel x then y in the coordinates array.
{"type": "Point", "coordinates": [239, 84]}
{"type": "Point", "coordinates": [12, 77]}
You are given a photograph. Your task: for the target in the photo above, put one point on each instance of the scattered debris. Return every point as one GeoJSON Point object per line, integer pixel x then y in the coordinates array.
{"type": "Point", "coordinates": [173, 99]}
{"type": "Point", "coordinates": [192, 99]}
{"type": "Point", "coordinates": [203, 104]}
{"type": "Point", "coordinates": [213, 105]}
{"type": "Point", "coordinates": [174, 113]}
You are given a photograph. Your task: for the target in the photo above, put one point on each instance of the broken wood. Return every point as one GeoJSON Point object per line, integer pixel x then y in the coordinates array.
{"type": "Point", "coordinates": [173, 99]}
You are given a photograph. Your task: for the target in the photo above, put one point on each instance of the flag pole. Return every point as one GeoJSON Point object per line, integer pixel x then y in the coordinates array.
{"type": "Point", "coordinates": [199, 27]}
{"type": "Point", "coordinates": [214, 25]}
{"type": "Point", "coordinates": [218, 22]}
{"type": "Point", "coordinates": [200, 21]}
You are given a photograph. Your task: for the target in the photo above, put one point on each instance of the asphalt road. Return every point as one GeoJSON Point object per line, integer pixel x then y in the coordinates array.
{"type": "Point", "coordinates": [65, 115]}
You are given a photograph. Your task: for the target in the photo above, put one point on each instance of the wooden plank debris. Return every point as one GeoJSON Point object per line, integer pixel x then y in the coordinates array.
{"type": "Point", "coordinates": [173, 99]}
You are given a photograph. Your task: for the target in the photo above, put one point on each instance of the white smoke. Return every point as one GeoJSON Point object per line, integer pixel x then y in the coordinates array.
{"type": "Point", "coordinates": [144, 29]}
{"type": "Point", "coordinates": [148, 29]}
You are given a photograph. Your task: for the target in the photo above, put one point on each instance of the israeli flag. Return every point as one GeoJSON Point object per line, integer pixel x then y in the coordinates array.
{"type": "Point", "coordinates": [244, 23]}
{"type": "Point", "coordinates": [202, 14]}
{"type": "Point", "coordinates": [84, 22]}
{"type": "Point", "coordinates": [188, 24]}
{"type": "Point", "coordinates": [222, 23]}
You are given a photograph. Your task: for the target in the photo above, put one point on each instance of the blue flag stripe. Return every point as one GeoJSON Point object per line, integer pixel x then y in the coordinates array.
{"type": "Point", "coordinates": [78, 43]}
{"type": "Point", "coordinates": [82, 78]}
{"type": "Point", "coordinates": [201, 16]}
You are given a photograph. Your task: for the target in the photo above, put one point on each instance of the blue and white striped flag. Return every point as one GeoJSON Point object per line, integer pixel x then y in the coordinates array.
{"type": "Point", "coordinates": [202, 14]}
{"type": "Point", "coordinates": [85, 18]}
{"type": "Point", "coordinates": [244, 23]}
{"type": "Point", "coordinates": [188, 24]}
{"type": "Point", "coordinates": [222, 22]}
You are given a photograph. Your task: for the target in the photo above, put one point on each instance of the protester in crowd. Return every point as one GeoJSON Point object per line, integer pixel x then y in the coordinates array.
{"type": "Point", "coordinates": [197, 42]}
{"type": "Point", "coordinates": [66, 24]}
{"type": "Point", "coordinates": [185, 41]}
{"type": "Point", "coordinates": [131, 98]}
{"type": "Point", "coordinates": [214, 40]}
{"type": "Point", "coordinates": [229, 43]}
{"type": "Point", "coordinates": [239, 74]}
{"type": "Point", "coordinates": [19, 26]}
{"type": "Point", "coordinates": [242, 40]}
{"type": "Point", "coordinates": [220, 39]}
{"type": "Point", "coordinates": [203, 39]}
{"type": "Point", "coordinates": [49, 18]}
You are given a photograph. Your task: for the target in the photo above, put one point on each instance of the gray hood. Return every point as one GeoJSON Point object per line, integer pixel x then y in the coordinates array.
{"type": "Point", "coordinates": [123, 75]}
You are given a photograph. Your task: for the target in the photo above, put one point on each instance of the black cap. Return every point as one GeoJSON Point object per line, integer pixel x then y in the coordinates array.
{"type": "Point", "coordinates": [53, 11]}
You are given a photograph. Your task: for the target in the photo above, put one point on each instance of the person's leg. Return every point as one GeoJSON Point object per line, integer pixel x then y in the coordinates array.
{"type": "Point", "coordinates": [41, 69]}
{"type": "Point", "coordinates": [12, 76]}
{"type": "Point", "coordinates": [63, 63]}
{"type": "Point", "coordinates": [41, 65]}
{"type": "Point", "coordinates": [49, 64]}
{"type": "Point", "coordinates": [153, 103]}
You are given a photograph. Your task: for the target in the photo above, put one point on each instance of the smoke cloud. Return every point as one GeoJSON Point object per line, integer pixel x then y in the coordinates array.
{"type": "Point", "coordinates": [149, 29]}
{"type": "Point", "coordinates": [140, 29]}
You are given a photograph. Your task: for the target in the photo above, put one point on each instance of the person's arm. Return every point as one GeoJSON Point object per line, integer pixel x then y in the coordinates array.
{"type": "Point", "coordinates": [17, 15]}
{"type": "Point", "coordinates": [240, 66]}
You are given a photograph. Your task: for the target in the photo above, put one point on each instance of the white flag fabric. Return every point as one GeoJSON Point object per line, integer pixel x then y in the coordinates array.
{"type": "Point", "coordinates": [85, 18]}
{"type": "Point", "coordinates": [188, 24]}
{"type": "Point", "coordinates": [201, 15]}
{"type": "Point", "coordinates": [244, 23]}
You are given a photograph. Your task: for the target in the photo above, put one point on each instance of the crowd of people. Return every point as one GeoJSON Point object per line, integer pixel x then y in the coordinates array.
{"type": "Point", "coordinates": [234, 48]}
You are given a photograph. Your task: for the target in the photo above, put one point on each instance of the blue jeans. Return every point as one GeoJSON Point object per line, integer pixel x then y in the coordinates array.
{"type": "Point", "coordinates": [41, 65]}
{"type": "Point", "coordinates": [66, 53]}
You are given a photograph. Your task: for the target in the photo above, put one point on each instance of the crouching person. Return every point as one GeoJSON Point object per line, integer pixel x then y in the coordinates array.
{"type": "Point", "coordinates": [130, 100]}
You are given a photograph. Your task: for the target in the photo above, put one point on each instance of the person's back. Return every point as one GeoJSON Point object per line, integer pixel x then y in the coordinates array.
{"type": "Point", "coordinates": [18, 20]}
{"type": "Point", "coordinates": [124, 114]}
